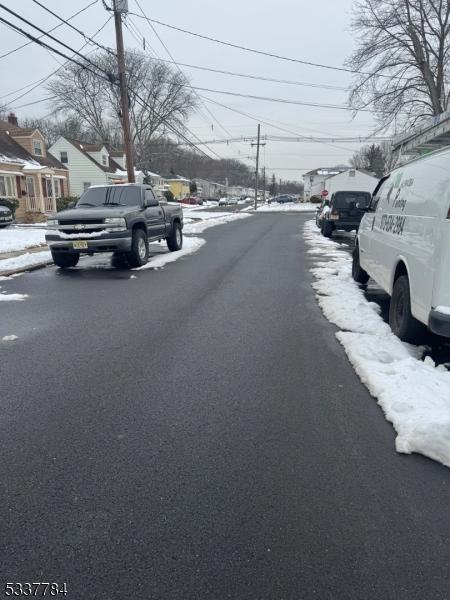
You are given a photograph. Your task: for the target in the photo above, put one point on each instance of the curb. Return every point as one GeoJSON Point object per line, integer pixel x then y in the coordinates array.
{"type": "Point", "coordinates": [10, 272]}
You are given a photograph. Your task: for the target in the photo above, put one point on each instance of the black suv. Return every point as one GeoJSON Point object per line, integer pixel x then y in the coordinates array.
{"type": "Point", "coordinates": [346, 211]}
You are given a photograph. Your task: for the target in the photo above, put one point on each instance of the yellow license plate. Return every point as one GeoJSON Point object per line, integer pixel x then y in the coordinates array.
{"type": "Point", "coordinates": [80, 245]}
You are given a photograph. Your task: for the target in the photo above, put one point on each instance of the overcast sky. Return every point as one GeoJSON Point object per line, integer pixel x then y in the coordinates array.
{"type": "Point", "coordinates": [312, 31]}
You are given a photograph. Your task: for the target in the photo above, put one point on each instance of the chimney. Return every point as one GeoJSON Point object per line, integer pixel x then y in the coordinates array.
{"type": "Point", "coordinates": [13, 119]}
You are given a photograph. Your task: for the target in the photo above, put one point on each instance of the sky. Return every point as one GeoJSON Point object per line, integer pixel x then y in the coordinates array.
{"type": "Point", "coordinates": [309, 31]}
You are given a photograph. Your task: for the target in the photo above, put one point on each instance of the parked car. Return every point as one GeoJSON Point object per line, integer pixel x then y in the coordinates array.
{"type": "Point", "coordinates": [403, 243]}
{"type": "Point", "coordinates": [232, 201]}
{"type": "Point", "coordinates": [191, 201]}
{"type": "Point", "coordinates": [121, 219]}
{"type": "Point", "coordinates": [6, 216]}
{"type": "Point", "coordinates": [284, 199]}
{"type": "Point", "coordinates": [319, 212]}
{"type": "Point", "coordinates": [223, 201]}
{"type": "Point", "coordinates": [346, 211]}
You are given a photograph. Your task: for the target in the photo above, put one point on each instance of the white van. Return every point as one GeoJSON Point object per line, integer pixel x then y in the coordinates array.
{"type": "Point", "coordinates": [403, 243]}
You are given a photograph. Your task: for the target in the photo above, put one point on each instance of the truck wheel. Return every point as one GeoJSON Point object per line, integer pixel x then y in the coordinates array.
{"type": "Point", "coordinates": [402, 323]}
{"type": "Point", "coordinates": [358, 273]}
{"type": "Point", "coordinates": [175, 239]}
{"type": "Point", "coordinates": [65, 260]}
{"type": "Point", "coordinates": [327, 229]}
{"type": "Point", "coordinates": [138, 255]}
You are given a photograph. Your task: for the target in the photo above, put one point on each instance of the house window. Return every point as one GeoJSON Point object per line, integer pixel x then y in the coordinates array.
{"type": "Point", "coordinates": [7, 186]}
{"type": "Point", "coordinates": [63, 157]}
{"type": "Point", "coordinates": [104, 160]}
{"type": "Point", "coordinates": [86, 185]}
{"type": "Point", "coordinates": [37, 147]}
{"type": "Point", "coordinates": [30, 186]}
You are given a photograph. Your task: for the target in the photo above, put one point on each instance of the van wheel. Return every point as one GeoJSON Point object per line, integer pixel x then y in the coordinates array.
{"type": "Point", "coordinates": [65, 260]}
{"type": "Point", "coordinates": [327, 229]}
{"type": "Point", "coordinates": [138, 255]}
{"type": "Point", "coordinates": [358, 273]}
{"type": "Point", "coordinates": [402, 323]}
{"type": "Point", "coordinates": [175, 239]}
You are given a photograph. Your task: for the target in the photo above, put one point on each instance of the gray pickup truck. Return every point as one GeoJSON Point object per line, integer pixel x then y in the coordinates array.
{"type": "Point", "coordinates": [121, 219]}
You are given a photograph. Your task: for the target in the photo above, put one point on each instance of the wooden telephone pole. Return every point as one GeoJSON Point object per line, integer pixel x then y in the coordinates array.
{"type": "Point", "coordinates": [121, 7]}
{"type": "Point", "coordinates": [258, 144]}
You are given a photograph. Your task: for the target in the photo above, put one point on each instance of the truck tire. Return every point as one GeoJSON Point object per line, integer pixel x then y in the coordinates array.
{"type": "Point", "coordinates": [358, 273]}
{"type": "Point", "coordinates": [64, 260]}
{"type": "Point", "coordinates": [175, 239]}
{"type": "Point", "coordinates": [138, 255]}
{"type": "Point", "coordinates": [402, 323]}
{"type": "Point", "coordinates": [327, 229]}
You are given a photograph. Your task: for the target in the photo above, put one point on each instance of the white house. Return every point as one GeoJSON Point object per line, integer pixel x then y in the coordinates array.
{"type": "Point", "coordinates": [353, 180]}
{"type": "Point", "coordinates": [91, 164]}
{"type": "Point", "coordinates": [314, 180]}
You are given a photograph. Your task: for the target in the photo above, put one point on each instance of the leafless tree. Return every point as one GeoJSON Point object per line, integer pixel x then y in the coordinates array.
{"type": "Point", "coordinates": [402, 54]}
{"type": "Point", "coordinates": [159, 99]}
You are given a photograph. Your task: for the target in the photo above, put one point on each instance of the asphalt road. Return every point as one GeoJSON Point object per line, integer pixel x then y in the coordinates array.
{"type": "Point", "coordinates": [198, 433]}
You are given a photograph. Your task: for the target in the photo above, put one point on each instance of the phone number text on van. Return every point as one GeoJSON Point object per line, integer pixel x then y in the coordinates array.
{"type": "Point", "coordinates": [393, 224]}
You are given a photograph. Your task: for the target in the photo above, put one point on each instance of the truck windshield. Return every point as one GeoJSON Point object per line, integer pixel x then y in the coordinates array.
{"type": "Point", "coordinates": [117, 195]}
{"type": "Point", "coordinates": [351, 199]}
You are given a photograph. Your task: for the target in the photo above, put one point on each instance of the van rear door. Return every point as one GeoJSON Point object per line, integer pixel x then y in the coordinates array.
{"type": "Point", "coordinates": [351, 206]}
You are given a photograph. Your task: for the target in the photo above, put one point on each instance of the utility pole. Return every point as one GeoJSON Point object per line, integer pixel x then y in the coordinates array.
{"type": "Point", "coordinates": [264, 184]}
{"type": "Point", "coordinates": [258, 144]}
{"type": "Point", "coordinates": [121, 7]}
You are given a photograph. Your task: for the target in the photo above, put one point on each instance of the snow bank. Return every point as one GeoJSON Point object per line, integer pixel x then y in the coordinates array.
{"type": "Point", "coordinates": [288, 207]}
{"type": "Point", "coordinates": [414, 394]}
{"type": "Point", "coordinates": [29, 259]}
{"type": "Point", "coordinates": [9, 338]}
{"type": "Point", "coordinates": [12, 239]}
{"type": "Point", "coordinates": [206, 224]}
{"type": "Point", "coordinates": [190, 245]}
{"type": "Point", "coordinates": [12, 297]}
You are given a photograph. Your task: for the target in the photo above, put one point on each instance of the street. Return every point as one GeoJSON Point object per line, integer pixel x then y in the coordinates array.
{"type": "Point", "coordinates": [198, 433]}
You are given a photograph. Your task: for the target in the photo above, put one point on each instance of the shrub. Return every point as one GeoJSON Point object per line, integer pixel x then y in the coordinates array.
{"type": "Point", "coordinates": [10, 203]}
{"type": "Point", "coordinates": [62, 203]}
{"type": "Point", "coordinates": [169, 196]}
{"type": "Point", "coordinates": [316, 199]}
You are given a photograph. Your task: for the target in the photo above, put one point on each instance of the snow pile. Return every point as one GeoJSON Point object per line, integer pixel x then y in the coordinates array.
{"type": "Point", "coordinates": [9, 338]}
{"type": "Point", "coordinates": [29, 259]}
{"type": "Point", "coordinates": [414, 394]}
{"type": "Point", "coordinates": [12, 239]}
{"type": "Point", "coordinates": [190, 245]}
{"type": "Point", "coordinates": [4, 297]}
{"type": "Point", "coordinates": [287, 207]}
{"type": "Point", "coordinates": [206, 224]}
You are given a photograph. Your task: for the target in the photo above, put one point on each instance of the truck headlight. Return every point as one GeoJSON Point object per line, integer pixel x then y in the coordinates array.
{"type": "Point", "coordinates": [52, 222]}
{"type": "Point", "coordinates": [115, 221]}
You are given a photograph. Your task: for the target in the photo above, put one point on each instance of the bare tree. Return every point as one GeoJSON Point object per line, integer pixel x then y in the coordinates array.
{"type": "Point", "coordinates": [159, 99]}
{"type": "Point", "coordinates": [403, 54]}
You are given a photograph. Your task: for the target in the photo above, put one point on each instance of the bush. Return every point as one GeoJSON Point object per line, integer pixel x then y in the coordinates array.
{"type": "Point", "coordinates": [169, 196]}
{"type": "Point", "coordinates": [316, 199]}
{"type": "Point", "coordinates": [10, 203]}
{"type": "Point", "coordinates": [62, 203]}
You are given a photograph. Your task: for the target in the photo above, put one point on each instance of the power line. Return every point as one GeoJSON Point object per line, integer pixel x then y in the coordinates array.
{"type": "Point", "coordinates": [66, 22]}
{"type": "Point", "coordinates": [38, 83]}
{"type": "Point", "coordinates": [264, 53]}
{"type": "Point", "coordinates": [50, 30]}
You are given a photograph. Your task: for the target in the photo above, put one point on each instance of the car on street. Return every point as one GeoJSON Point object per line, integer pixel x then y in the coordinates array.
{"type": "Point", "coordinates": [346, 211]}
{"type": "Point", "coordinates": [223, 201]}
{"type": "Point", "coordinates": [121, 219]}
{"type": "Point", "coordinates": [6, 216]}
{"type": "Point", "coordinates": [232, 201]}
{"type": "Point", "coordinates": [192, 201]}
{"type": "Point", "coordinates": [403, 243]}
{"type": "Point", "coordinates": [283, 199]}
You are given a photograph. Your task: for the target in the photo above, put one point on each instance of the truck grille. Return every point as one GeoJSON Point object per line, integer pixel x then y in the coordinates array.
{"type": "Point", "coordinates": [81, 222]}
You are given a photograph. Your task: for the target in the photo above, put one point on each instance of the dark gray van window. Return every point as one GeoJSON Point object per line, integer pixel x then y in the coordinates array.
{"type": "Point", "coordinates": [118, 195]}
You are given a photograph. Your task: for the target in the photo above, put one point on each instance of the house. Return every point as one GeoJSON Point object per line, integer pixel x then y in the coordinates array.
{"type": "Point", "coordinates": [157, 182]}
{"type": "Point", "coordinates": [28, 172]}
{"type": "Point", "coordinates": [91, 164]}
{"type": "Point", "coordinates": [314, 180]}
{"type": "Point", "coordinates": [209, 189]}
{"type": "Point", "coordinates": [353, 180]}
{"type": "Point", "coordinates": [179, 186]}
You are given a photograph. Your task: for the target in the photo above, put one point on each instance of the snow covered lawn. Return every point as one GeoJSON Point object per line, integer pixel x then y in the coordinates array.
{"type": "Point", "coordinates": [13, 239]}
{"type": "Point", "coordinates": [414, 394]}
